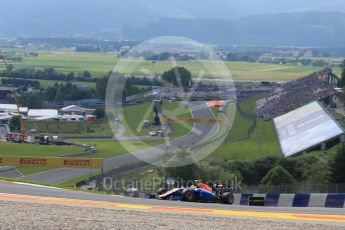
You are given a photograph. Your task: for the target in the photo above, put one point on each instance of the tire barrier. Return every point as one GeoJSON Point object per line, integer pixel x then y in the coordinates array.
{"type": "Point", "coordinates": [332, 200]}
{"type": "Point", "coordinates": [256, 201]}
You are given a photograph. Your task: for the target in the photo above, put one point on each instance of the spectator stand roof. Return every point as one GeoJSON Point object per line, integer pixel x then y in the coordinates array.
{"type": "Point", "coordinates": [305, 128]}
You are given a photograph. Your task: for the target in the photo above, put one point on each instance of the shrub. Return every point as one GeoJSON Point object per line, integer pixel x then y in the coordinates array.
{"type": "Point", "coordinates": [278, 176]}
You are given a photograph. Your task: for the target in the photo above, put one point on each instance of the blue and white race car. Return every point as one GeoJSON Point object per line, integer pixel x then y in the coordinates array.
{"type": "Point", "coordinates": [198, 193]}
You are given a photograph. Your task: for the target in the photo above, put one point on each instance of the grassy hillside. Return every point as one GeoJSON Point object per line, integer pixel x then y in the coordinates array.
{"type": "Point", "coordinates": [263, 141]}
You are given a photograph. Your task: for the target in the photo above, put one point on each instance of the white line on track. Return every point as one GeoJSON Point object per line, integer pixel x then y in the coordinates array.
{"type": "Point", "coordinates": [33, 185]}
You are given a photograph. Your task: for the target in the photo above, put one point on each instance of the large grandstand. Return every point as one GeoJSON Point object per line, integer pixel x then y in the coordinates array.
{"type": "Point", "coordinates": [294, 94]}
{"type": "Point", "coordinates": [302, 123]}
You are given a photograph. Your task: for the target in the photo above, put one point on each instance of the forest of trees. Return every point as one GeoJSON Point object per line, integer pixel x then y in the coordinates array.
{"type": "Point", "coordinates": [32, 93]}
{"type": "Point", "coordinates": [309, 169]}
{"type": "Point", "coordinates": [165, 56]}
{"type": "Point", "coordinates": [48, 74]}
{"type": "Point", "coordinates": [177, 76]}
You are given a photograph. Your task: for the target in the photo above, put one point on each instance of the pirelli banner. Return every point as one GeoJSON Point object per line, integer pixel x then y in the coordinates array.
{"type": "Point", "coordinates": [70, 162]}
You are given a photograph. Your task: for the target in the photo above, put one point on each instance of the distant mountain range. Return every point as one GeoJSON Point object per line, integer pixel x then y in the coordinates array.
{"type": "Point", "coordinates": [302, 29]}
{"type": "Point", "coordinates": [280, 22]}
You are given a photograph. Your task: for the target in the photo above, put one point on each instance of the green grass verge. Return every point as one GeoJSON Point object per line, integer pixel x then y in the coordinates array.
{"type": "Point", "coordinates": [105, 149]}
{"type": "Point", "coordinates": [72, 182]}
{"type": "Point", "coordinates": [112, 148]}
{"type": "Point", "coordinates": [176, 109]}
{"type": "Point", "coordinates": [12, 149]}
{"type": "Point", "coordinates": [23, 181]}
{"type": "Point", "coordinates": [99, 127]}
{"type": "Point", "coordinates": [135, 114]}
{"type": "Point", "coordinates": [28, 170]}
{"type": "Point", "coordinates": [262, 142]}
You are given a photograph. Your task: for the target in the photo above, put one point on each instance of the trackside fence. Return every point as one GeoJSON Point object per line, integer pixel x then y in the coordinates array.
{"type": "Point", "coordinates": [302, 188]}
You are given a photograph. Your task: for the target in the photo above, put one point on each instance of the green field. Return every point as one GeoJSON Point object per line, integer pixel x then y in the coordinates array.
{"type": "Point", "coordinates": [112, 148]}
{"type": "Point", "coordinates": [176, 109]}
{"type": "Point", "coordinates": [99, 128]}
{"type": "Point", "coordinates": [263, 141]}
{"type": "Point", "coordinates": [12, 149]}
{"type": "Point", "coordinates": [100, 64]}
{"type": "Point", "coordinates": [105, 149]}
{"type": "Point", "coordinates": [135, 114]}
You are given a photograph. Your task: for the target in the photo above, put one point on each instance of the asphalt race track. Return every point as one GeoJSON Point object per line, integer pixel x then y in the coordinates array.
{"type": "Point", "coordinates": [57, 176]}
{"type": "Point", "coordinates": [198, 133]}
{"type": "Point", "coordinates": [26, 192]}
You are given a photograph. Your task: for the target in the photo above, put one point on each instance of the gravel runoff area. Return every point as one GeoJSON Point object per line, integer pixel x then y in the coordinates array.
{"type": "Point", "coordinates": [41, 215]}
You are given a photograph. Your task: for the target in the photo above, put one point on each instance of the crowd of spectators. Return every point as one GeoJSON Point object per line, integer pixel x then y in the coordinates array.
{"type": "Point", "coordinates": [295, 94]}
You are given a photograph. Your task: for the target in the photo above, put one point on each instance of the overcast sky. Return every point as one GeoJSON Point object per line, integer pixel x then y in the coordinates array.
{"type": "Point", "coordinates": [72, 16]}
{"type": "Point", "coordinates": [177, 8]}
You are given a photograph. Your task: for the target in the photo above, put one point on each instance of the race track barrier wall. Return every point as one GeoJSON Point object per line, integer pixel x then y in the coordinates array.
{"type": "Point", "coordinates": [272, 199]}
{"type": "Point", "coordinates": [317, 200]}
{"type": "Point", "coordinates": [335, 200]}
{"type": "Point", "coordinates": [301, 200]}
{"type": "Point", "coordinates": [245, 198]}
{"type": "Point", "coordinates": [332, 200]}
{"type": "Point", "coordinates": [237, 199]}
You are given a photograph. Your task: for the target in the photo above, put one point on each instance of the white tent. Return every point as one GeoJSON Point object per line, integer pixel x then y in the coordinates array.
{"type": "Point", "coordinates": [74, 109]}
{"type": "Point", "coordinates": [42, 113]}
{"type": "Point", "coordinates": [12, 108]}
